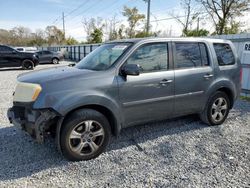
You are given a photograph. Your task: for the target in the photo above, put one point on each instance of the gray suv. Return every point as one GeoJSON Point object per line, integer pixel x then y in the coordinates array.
{"type": "Point", "coordinates": [124, 83]}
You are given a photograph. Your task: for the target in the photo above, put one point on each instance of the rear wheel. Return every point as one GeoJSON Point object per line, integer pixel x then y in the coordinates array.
{"type": "Point", "coordinates": [55, 61]}
{"type": "Point", "coordinates": [84, 135]}
{"type": "Point", "coordinates": [27, 65]}
{"type": "Point", "coordinates": [217, 109]}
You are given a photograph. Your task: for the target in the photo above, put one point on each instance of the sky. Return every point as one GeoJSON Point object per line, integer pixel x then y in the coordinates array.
{"type": "Point", "coordinates": [37, 14]}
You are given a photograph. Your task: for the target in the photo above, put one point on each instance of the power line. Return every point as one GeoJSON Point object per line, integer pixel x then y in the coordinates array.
{"type": "Point", "coordinates": [102, 12]}
{"type": "Point", "coordinates": [71, 12]}
{"type": "Point", "coordinates": [85, 10]}
{"type": "Point", "coordinates": [78, 7]}
{"type": "Point", "coordinates": [173, 18]}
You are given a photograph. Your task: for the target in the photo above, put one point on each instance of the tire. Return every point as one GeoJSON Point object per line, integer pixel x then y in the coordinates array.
{"type": "Point", "coordinates": [216, 110]}
{"type": "Point", "coordinates": [78, 141]}
{"type": "Point", "coordinates": [27, 64]}
{"type": "Point", "coordinates": [55, 61]}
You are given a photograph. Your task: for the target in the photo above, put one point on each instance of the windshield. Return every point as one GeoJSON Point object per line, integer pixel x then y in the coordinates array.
{"type": "Point", "coordinates": [103, 57]}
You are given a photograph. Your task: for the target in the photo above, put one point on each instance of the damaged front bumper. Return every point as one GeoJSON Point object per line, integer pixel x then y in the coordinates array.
{"type": "Point", "coordinates": [34, 122]}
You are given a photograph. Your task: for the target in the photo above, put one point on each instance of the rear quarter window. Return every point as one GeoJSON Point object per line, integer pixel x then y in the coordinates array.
{"type": "Point", "coordinates": [224, 54]}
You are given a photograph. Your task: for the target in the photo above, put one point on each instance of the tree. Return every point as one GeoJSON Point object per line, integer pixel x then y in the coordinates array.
{"type": "Point", "coordinates": [111, 28]}
{"type": "Point", "coordinates": [96, 36]}
{"type": "Point", "coordinates": [94, 29]}
{"type": "Point", "coordinates": [224, 12]}
{"type": "Point", "coordinates": [20, 35]}
{"type": "Point", "coordinates": [134, 18]}
{"type": "Point", "coordinates": [197, 33]}
{"type": "Point", "coordinates": [6, 37]}
{"type": "Point", "coordinates": [37, 38]}
{"type": "Point", "coordinates": [71, 41]}
{"type": "Point", "coordinates": [54, 35]}
{"type": "Point", "coordinates": [190, 15]}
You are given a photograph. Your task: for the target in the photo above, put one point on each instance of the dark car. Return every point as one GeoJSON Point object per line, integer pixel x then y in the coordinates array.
{"type": "Point", "coordinates": [46, 56]}
{"type": "Point", "coordinates": [124, 83]}
{"type": "Point", "coordinates": [9, 57]}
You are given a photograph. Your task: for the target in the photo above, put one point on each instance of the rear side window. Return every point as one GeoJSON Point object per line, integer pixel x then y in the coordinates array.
{"type": "Point", "coordinates": [189, 55]}
{"type": "Point", "coordinates": [224, 54]}
{"type": "Point", "coordinates": [5, 49]}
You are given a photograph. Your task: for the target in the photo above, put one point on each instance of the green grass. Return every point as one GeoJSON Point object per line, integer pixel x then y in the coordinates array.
{"type": "Point", "coordinates": [245, 98]}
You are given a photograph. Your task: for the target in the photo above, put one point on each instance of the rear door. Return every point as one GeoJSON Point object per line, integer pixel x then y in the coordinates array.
{"type": "Point", "coordinates": [193, 76]}
{"type": "Point", "coordinates": [149, 96]}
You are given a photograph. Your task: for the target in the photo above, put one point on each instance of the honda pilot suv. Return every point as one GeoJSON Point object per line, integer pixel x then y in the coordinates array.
{"type": "Point", "coordinates": [125, 83]}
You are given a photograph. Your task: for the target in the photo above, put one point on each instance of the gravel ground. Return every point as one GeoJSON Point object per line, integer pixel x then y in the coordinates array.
{"type": "Point", "coordinates": [176, 153]}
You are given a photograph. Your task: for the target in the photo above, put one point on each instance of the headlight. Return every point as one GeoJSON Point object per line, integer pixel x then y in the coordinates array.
{"type": "Point", "coordinates": [26, 92]}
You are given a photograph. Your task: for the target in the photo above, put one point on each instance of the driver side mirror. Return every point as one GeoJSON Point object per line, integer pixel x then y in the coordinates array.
{"type": "Point", "coordinates": [131, 69]}
{"type": "Point", "coordinates": [14, 52]}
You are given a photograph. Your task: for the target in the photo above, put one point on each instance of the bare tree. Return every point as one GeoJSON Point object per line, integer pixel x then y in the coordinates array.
{"type": "Point", "coordinates": [224, 12]}
{"type": "Point", "coordinates": [91, 25]}
{"type": "Point", "coordinates": [189, 17]}
{"type": "Point", "coordinates": [112, 28]}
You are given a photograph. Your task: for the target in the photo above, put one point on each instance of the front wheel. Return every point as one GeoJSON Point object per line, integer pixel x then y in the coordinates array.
{"type": "Point", "coordinates": [217, 109]}
{"type": "Point", "coordinates": [84, 135]}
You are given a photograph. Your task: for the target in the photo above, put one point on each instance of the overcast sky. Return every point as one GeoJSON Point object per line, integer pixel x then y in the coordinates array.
{"type": "Point", "coordinates": [37, 14]}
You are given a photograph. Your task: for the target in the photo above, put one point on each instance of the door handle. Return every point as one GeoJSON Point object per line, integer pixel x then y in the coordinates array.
{"type": "Point", "coordinates": [207, 76]}
{"type": "Point", "coordinates": [165, 81]}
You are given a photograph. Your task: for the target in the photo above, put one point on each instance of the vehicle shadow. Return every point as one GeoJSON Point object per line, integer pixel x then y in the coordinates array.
{"type": "Point", "coordinates": [20, 156]}
{"type": "Point", "coordinates": [11, 69]}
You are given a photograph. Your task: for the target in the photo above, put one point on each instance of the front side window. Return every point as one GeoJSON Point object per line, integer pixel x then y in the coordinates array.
{"type": "Point", "coordinates": [151, 57]}
{"type": "Point", "coordinates": [188, 55]}
{"type": "Point", "coordinates": [103, 57]}
{"type": "Point", "coordinates": [224, 54]}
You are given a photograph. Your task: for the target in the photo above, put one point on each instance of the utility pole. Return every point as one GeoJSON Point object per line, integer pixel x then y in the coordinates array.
{"type": "Point", "coordinates": [148, 16]}
{"type": "Point", "coordinates": [198, 24]}
{"type": "Point", "coordinates": [63, 24]}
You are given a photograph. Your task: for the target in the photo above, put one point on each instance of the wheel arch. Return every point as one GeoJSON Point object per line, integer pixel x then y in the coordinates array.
{"type": "Point", "coordinates": [223, 85]}
{"type": "Point", "coordinates": [111, 117]}
{"type": "Point", "coordinates": [229, 93]}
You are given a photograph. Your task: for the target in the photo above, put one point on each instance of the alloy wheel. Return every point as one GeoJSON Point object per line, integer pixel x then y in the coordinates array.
{"type": "Point", "coordinates": [219, 109]}
{"type": "Point", "coordinates": [86, 137]}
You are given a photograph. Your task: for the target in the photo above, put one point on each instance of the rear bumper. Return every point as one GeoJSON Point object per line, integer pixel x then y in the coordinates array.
{"type": "Point", "coordinates": [34, 122]}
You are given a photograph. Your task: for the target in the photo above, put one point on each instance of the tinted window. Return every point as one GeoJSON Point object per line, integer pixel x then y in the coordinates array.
{"type": "Point", "coordinates": [20, 49]}
{"type": "Point", "coordinates": [188, 55]}
{"type": "Point", "coordinates": [46, 52]}
{"type": "Point", "coordinates": [151, 57]}
{"type": "Point", "coordinates": [6, 49]}
{"type": "Point", "coordinates": [204, 54]}
{"type": "Point", "coordinates": [224, 54]}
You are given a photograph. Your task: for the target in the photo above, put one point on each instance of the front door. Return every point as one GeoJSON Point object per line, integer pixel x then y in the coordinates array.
{"type": "Point", "coordinates": [149, 96]}
{"type": "Point", "coordinates": [193, 76]}
{"type": "Point", "coordinates": [45, 57]}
